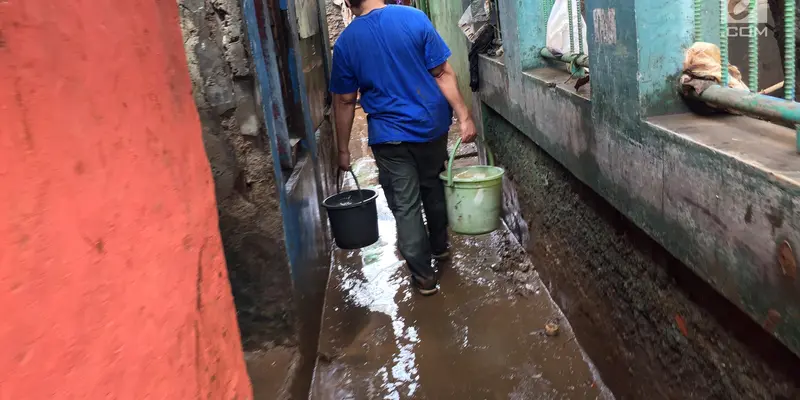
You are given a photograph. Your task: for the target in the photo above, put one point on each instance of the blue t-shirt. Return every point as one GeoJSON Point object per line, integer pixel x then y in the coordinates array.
{"type": "Point", "coordinates": [386, 55]}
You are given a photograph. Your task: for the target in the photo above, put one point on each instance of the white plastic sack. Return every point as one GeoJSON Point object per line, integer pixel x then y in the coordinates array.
{"type": "Point", "coordinates": [558, 27]}
{"type": "Point", "coordinates": [474, 19]}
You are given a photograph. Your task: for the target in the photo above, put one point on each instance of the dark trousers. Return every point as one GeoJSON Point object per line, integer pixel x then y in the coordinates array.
{"type": "Point", "coordinates": [409, 174]}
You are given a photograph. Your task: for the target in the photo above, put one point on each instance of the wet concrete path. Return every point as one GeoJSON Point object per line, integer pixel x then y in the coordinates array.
{"type": "Point", "coordinates": [479, 338]}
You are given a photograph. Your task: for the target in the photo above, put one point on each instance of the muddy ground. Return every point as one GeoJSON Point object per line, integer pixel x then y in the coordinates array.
{"type": "Point", "coordinates": [653, 328]}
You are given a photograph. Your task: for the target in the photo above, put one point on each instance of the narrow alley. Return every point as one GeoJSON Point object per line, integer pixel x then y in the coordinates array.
{"type": "Point", "coordinates": [165, 165]}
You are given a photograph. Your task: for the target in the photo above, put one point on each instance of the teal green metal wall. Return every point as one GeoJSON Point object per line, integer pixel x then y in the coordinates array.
{"type": "Point", "coordinates": [721, 213]}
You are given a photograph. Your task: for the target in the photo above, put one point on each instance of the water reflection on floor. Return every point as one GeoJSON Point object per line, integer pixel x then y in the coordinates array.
{"type": "Point", "coordinates": [476, 339]}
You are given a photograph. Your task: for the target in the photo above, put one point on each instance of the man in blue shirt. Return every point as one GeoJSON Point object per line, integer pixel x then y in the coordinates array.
{"type": "Point", "coordinates": [395, 58]}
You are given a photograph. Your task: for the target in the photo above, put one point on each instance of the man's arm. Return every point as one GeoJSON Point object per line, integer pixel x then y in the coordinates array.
{"type": "Point", "coordinates": [448, 84]}
{"type": "Point", "coordinates": [344, 111]}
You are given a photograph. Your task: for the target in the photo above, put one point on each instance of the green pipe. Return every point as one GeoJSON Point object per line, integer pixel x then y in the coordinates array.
{"type": "Point", "coordinates": [752, 25]}
{"type": "Point", "coordinates": [581, 60]}
{"type": "Point", "coordinates": [771, 108]}
{"type": "Point", "coordinates": [789, 50]}
{"type": "Point", "coordinates": [723, 40]}
{"type": "Point", "coordinates": [571, 36]}
{"type": "Point", "coordinates": [790, 16]}
{"type": "Point", "coordinates": [580, 29]}
{"type": "Point", "coordinates": [698, 20]}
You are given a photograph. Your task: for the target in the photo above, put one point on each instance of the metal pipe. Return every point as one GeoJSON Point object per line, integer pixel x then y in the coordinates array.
{"type": "Point", "coordinates": [771, 108]}
{"type": "Point", "coordinates": [580, 28]}
{"type": "Point", "coordinates": [698, 20]}
{"type": "Point", "coordinates": [581, 60]}
{"type": "Point", "coordinates": [752, 25]}
{"type": "Point", "coordinates": [723, 40]}
{"type": "Point", "coordinates": [571, 24]}
{"type": "Point", "coordinates": [789, 14]}
{"type": "Point", "coordinates": [789, 49]}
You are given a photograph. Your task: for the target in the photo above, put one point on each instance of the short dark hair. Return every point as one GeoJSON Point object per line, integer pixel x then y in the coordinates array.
{"type": "Point", "coordinates": [356, 3]}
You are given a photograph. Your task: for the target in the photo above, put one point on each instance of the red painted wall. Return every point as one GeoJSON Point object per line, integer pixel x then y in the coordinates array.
{"type": "Point", "coordinates": [112, 277]}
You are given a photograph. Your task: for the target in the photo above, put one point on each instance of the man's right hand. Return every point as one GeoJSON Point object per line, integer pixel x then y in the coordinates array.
{"type": "Point", "coordinates": [344, 160]}
{"type": "Point", "coordinates": [468, 131]}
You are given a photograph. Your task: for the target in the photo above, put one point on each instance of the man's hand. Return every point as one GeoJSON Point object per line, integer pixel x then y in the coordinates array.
{"type": "Point", "coordinates": [468, 131]}
{"type": "Point", "coordinates": [344, 160]}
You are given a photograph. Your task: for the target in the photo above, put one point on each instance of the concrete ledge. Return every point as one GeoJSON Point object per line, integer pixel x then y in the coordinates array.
{"type": "Point", "coordinates": [719, 194]}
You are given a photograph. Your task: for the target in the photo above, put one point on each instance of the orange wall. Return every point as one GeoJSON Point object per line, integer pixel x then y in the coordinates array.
{"type": "Point", "coordinates": [112, 278]}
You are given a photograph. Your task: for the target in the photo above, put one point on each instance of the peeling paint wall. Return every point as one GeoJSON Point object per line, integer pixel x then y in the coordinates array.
{"type": "Point", "coordinates": [112, 275]}
{"type": "Point", "coordinates": [237, 146]}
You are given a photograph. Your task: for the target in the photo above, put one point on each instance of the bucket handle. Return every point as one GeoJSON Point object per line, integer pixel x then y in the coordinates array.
{"type": "Point", "coordinates": [489, 155]}
{"type": "Point", "coordinates": [339, 182]}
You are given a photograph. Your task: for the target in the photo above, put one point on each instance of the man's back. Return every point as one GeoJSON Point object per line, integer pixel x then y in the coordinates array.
{"type": "Point", "coordinates": [386, 55]}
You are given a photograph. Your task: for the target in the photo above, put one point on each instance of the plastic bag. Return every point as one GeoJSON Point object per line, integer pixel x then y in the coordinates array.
{"type": "Point", "coordinates": [558, 27]}
{"type": "Point", "coordinates": [702, 60]}
{"type": "Point", "coordinates": [474, 19]}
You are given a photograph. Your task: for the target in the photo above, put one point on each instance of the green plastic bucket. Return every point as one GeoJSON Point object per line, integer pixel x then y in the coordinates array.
{"type": "Point", "coordinates": [474, 196]}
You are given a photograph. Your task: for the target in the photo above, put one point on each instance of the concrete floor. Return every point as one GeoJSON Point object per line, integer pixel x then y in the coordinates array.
{"type": "Point", "coordinates": [481, 337]}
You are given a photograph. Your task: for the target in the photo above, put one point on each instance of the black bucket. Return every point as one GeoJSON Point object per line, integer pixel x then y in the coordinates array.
{"type": "Point", "coordinates": [354, 217]}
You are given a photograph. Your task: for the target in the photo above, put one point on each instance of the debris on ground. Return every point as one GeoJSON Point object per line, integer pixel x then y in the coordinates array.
{"type": "Point", "coordinates": [681, 325]}
{"type": "Point", "coordinates": [515, 265]}
{"type": "Point", "coordinates": [551, 328]}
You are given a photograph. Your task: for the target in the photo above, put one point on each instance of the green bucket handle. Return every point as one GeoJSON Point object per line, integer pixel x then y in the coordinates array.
{"type": "Point", "coordinates": [489, 154]}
